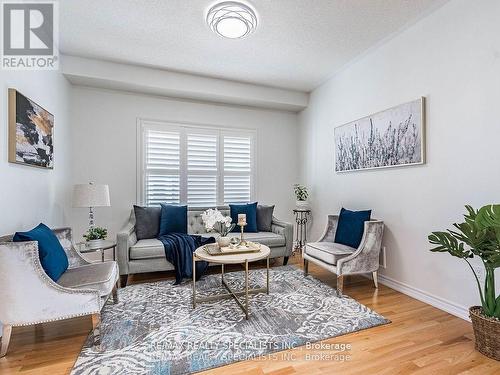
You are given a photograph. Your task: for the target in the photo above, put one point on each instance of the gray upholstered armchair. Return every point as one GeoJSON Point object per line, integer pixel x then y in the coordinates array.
{"type": "Point", "coordinates": [344, 260]}
{"type": "Point", "coordinates": [28, 296]}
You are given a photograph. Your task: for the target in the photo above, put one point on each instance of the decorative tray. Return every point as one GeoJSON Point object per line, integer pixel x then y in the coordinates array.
{"type": "Point", "coordinates": [214, 249]}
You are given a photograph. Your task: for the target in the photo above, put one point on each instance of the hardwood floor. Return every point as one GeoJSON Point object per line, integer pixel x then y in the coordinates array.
{"type": "Point", "coordinates": [420, 340]}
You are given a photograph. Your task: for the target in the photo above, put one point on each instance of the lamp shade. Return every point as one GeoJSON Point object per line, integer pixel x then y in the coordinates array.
{"type": "Point", "coordinates": [90, 195]}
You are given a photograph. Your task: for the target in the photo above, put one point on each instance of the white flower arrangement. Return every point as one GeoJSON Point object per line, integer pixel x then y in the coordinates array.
{"type": "Point", "coordinates": [215, 221]}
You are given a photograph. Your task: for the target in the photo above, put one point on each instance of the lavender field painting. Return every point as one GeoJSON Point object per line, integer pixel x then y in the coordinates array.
{"type": "Point", "coordinates": [390, 138]}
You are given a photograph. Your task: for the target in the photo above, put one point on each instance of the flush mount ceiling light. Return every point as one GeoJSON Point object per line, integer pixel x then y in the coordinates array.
{"type": "Point", "coordinates": [232, 19]}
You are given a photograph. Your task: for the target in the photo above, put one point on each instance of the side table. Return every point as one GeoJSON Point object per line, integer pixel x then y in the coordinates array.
{"type": "Point", "coordinates": [301, 218]}
{"type": "Point", "coordinates": [84, 247]}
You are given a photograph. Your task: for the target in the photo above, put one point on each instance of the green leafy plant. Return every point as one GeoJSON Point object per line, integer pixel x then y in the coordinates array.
{"type": "Point", "coordinates": [478, 236]}
{"type": "Point", "coordinates": [300, 192]}
{"type": "Point", "coordinates": [96, 233]}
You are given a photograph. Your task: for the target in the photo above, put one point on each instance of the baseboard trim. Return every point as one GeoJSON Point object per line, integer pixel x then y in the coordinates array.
{"type": "Point", "coordinates": [438, 302]}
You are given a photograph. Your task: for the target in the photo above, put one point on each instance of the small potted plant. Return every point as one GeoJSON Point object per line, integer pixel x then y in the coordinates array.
{"type": "Point", "coordinates": [301, 194]}
{"type": "Point", "coordinates": [215, 221]}
{"type": "Point", "coordinates": [478, 236]}
{"type": "Point", "coordinates": [95, 236]}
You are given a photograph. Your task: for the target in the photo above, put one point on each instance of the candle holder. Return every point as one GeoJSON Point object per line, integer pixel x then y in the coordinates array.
{"type": "Point", "coordinates": [242, 240]}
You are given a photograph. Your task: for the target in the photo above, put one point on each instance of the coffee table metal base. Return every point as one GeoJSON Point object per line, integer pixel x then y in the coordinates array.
{"type": "Point", "coordinates": [232, 294]}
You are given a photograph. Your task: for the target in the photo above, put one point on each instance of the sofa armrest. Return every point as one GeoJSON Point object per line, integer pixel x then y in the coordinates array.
{"type": "Point", "coordinates": [124, 240]}
{"type": "Point", "coordinates": [285, 229]}
{"type": "Point", "coordinates": [29, 296]}
{"type": "Point", "coordinates": [366, 258]}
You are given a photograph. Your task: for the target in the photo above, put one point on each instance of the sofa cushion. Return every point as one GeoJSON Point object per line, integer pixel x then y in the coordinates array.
{"type": "Point", "coordinates": [147, 222]}
{"type": "Point", "coordinates": [328, 252]}
{"type": "Point", "coordinates": [264, 218]}
{"type": "Point", "coordinates": [269, 239]}
{"type": "Point", "coordinates": [152, 248]}
{"type": "Point", "coordinates": [98, 276]}
{"type": "Point", "coordinates": [52, 255]}
{"type": "Point", "coordinates": [148, 248]}
{"type": "Point", "coordinates": [173, 219]}
{"type": "Point", "coordinates": [351, 227]}
{"type": "Point", "coordinates": [249, 209]}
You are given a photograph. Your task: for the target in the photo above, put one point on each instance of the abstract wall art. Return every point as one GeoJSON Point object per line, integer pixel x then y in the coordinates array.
{"type": "Point", "coordinates": [391, 138]}
{"type": "Point", "coordinates": [31, 130]}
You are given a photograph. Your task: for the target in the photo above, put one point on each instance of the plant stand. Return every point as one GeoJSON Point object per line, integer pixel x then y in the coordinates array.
{"type": "Point", "coordinates": [301, 218]}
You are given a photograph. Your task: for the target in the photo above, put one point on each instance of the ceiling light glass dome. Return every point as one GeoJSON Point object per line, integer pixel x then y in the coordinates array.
{"type": "Point", "coordinates": [232, 19]}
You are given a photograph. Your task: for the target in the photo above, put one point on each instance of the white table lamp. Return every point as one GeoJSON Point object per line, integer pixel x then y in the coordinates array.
{"type": "Point", "coordinates": [90, 196]}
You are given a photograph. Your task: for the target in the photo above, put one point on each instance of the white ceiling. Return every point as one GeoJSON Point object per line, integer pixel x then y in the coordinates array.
{"type": "Point", "coordinates": [298, 43]}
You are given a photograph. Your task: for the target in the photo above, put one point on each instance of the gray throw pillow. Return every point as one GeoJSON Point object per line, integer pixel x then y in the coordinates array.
{"type": "Point", "coordinates": [264, 218]}
{"type": "Point", "coordinates": [147, 222]}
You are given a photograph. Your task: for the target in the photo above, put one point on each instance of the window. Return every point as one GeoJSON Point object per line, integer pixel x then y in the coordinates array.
{"type": "Point", "coordinates": [194, 165]}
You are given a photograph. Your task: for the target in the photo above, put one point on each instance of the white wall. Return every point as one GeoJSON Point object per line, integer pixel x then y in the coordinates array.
{"type": "Point", "coordinates": [452, 57]}
{"type": "Point", "coordinates": [31, 195]}
{"type": "Point", "coordinates": [104, 146]}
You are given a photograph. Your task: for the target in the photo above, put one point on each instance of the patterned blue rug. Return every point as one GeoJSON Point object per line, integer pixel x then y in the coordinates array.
{"type": "Point", "coordinates": [154, 329]}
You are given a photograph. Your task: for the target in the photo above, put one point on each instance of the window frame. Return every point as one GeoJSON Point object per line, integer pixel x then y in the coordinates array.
{"type": "Point", "coordinates": [184, 128]}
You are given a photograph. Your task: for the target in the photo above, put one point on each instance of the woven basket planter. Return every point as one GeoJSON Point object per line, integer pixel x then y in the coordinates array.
{"type": "Point", "coordinates": [486, 332]}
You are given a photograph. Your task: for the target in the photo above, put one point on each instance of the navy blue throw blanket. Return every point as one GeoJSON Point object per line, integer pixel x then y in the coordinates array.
{"type": "Point", "coordinates": [179, 249]}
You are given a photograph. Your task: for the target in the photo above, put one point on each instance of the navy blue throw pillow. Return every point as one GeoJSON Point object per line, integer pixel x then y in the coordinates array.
{"type": "Point", "coordinates": [249, 209]}
{"type": "Point", "coordinates": [351, 227]}
{"type": "Point", "coordinates": [173, 219]}
{"type": "Point", "coordinates": [52, 255]}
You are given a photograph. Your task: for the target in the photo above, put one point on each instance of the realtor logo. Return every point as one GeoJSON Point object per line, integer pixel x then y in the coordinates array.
{"type": "Point", "coordinates": [29, 35]}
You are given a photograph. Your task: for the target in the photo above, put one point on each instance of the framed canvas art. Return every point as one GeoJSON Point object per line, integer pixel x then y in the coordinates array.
{"type": "Point", "coordinates": [31, 132]}
{"type": "Point", "coordinates": [391, 138]}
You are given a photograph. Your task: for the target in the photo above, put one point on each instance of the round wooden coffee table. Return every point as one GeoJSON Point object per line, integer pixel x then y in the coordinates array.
{"type": "Point", "coordinates": [201, 255]}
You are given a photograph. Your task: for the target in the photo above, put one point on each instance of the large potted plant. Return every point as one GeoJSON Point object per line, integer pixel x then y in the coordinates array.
{"type": "Point", "coordinates": [478, 236]}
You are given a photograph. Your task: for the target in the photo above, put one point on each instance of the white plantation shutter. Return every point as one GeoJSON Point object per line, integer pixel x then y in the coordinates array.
{"type": "Point", "coordinates": [162, 167]}
{"type": "Point", "coordinates": [237, 154]}
{"type": "Point", "coordinates": [162, 189]}
{"type": "Point", "coordinates": [194, 165]}
{"type": "Point", "coordinates": [202, 190]}
{"type": "Point", "coordinates": [163, 150]}
{"type": "Point", "coordinates": [237, 189]}
{"type": "Point", "coordinates": [202, 169]}
{"type": "Point", "coordinates": [237, 169]}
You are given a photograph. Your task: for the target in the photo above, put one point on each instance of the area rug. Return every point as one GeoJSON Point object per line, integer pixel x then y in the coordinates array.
{"type": "Point", "coordinates": [154, 329]}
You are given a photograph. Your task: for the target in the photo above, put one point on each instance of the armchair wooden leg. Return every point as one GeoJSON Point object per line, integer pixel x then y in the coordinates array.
{"type": "Point", "coordinates": [375, 279]}
{"type": "Point", "coordinates": [285, 261]}
{"type": "Point", "coordinates": [340, 284]}
{"type": "Point", "coordinates": [96, 331]}
{"type": "Point", "coordinates": [5, 340]}
{"type": "Point", "coordinates": [306, 267]}
{"type": "Point", "coordinates": [123, 281]}
{"type": "Point", "coordinates": [115, 293]}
